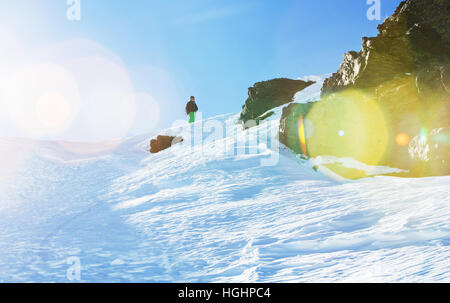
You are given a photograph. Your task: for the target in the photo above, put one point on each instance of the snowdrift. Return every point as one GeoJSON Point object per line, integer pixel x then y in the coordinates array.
{"type": "Point", "coordinates": [214, 211]}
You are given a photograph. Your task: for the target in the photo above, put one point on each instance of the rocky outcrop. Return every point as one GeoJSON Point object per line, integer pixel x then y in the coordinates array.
{"type": "Point", "coordinates": [414, 40]}
{"type": "Point", "coordinates": [399, 84]}
{"type": "Point", "coordinates": [266, 95]}
{"type": "Point", "coordinates": [163, 142]}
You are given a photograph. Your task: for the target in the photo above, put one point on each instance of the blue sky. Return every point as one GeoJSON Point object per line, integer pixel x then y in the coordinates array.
{"type": "Point", "coordinates": [211, 49]}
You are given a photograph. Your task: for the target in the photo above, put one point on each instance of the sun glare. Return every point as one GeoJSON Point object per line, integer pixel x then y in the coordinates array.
{"type": "Point", "coordinates": [42, 99]}
{"type": "Point", "coordinates": [348, 125]}
{"type": "Point", "coordinates": [53, 111]}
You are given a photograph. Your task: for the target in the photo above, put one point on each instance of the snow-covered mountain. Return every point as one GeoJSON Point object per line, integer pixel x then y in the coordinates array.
{"type": "Point", "coordinates": [215, 211]}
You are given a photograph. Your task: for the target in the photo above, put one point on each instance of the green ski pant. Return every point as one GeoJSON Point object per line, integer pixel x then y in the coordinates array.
{"type": "Point", "coordinates": [191, 117]}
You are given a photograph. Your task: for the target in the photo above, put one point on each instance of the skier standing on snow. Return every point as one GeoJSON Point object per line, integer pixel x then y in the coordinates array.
{"type": "Point", "coordinates": [191, 109]}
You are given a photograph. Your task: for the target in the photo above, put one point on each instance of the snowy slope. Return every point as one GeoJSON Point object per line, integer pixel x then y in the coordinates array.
{"type": "Point", "coordinates": [205, 215]}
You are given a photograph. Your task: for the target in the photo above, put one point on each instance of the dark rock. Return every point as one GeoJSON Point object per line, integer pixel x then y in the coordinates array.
{"type": "Point", "coordinates": [402, 75]}
{"type": "Point", "coordinates": [415, 38]}
{"type": "Point", "coordinates": [163, 142]}
{"type": "Point", "coordinates": [266, 95]}
{"type": "Point", "coordinates": [404, 112]}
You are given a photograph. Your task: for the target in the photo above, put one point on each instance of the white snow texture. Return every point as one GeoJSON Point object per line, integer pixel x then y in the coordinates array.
{"type": "Point", "coordinates": [202, 215]}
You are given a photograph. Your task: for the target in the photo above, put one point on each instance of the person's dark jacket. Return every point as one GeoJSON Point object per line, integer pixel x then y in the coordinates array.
{"type": "Point", "coordinates": [191, 106]}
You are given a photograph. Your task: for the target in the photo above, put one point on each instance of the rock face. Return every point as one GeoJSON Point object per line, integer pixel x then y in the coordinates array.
{"type": "Point", "coordinates": [395, 91]}
{"type": "Point", "coordinates": [266, 95]}
{"type": "Point", "coordinates": [414, 40]}
{"type": "Point", "coordinates": [163, 142]}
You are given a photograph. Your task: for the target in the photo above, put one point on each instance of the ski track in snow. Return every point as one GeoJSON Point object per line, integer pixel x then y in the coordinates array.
{"type": "Point", "coordinates": [193, 216]}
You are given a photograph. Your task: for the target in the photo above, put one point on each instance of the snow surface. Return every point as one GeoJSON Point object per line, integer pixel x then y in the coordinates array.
{"type": "Point", "coordinates": [205, 215]}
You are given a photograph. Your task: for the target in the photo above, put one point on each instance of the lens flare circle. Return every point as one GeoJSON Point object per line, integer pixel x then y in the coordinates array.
{"type": "Point", "coordinates": [41, 99]}
{"type": "Point", "coordinates": [148, 113]}
{"type": "Point", "coordinates": [53, 111]}
{"type": "Point", "coordinates": [363, 133]}
{"type": "Point", "coordinates": [107, 111]}
{"type": "Point", "coordinates": [402, 139]}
